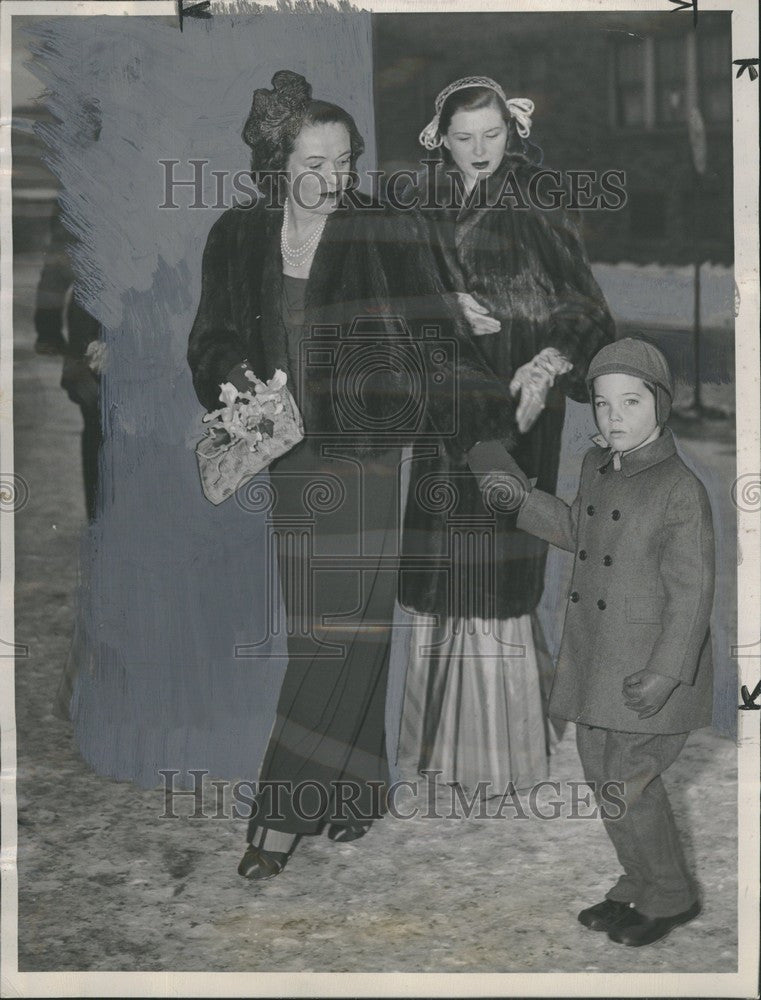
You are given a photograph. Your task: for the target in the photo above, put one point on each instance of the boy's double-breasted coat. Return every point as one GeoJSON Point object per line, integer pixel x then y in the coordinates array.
{"type": "Point", "coordinates": [641, 591]}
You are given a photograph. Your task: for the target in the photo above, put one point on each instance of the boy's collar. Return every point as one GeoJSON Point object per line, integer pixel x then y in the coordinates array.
{"type": "Point", "coordinates": [640, 458]}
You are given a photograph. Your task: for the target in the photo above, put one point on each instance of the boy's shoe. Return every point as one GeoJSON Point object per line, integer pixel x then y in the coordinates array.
{"type": "Point", "coordinates": [637, 929]}
{"type": "Point", "coordinates": [603, 916]}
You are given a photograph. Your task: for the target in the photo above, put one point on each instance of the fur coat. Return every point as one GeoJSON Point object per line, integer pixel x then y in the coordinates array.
{"type": "Point", "coordinates": [529, 268]}
{"type": "Point", "coordinates": [392, 362]}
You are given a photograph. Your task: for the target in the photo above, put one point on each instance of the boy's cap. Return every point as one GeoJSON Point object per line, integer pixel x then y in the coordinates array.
{"type": "Point", "coordinates": [636, 357]}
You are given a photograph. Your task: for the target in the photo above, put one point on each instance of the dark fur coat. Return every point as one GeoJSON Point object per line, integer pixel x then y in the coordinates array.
{"type": "Point", "coordinates": [393, 361]}
{"type": "Point", "coordinates": [529, 268]}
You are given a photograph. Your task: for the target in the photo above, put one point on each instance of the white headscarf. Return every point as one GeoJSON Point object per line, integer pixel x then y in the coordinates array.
{"type": "Point", "coordinates": [520, 108]}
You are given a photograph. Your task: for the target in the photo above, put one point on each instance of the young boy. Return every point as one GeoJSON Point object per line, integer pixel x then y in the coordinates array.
{"type": "Point", "coordinates": [634, 670]}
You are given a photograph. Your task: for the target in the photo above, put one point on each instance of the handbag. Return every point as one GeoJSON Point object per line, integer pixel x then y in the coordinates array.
{"type": "Point", "coordinates": [250, 430]}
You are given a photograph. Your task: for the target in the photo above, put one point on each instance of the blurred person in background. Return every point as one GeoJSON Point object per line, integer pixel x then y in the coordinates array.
{"type": "Point", "coordinates": [64, 327]}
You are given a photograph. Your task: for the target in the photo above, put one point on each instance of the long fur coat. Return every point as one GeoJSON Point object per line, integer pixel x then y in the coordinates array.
{"type": "Point", "coordinates": [389, 360]}
{"type": "Point", "coordinates": [529, 268]}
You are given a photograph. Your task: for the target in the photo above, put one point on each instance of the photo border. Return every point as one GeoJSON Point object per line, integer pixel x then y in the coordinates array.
{"type": "Point", "coordinates": [748, 421]}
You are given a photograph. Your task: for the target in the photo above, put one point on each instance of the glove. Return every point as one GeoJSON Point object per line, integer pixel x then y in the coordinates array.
{"type": "Point", "coordinates": [646, 692]}
{"type": "Point", "coordinates": [533, 381]}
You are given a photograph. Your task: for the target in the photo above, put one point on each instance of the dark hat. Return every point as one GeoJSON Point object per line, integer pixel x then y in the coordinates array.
{"type": "Point", "coordinates": [636, 357]}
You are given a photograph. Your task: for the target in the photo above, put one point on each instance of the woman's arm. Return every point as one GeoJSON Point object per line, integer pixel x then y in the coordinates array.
{"type": "Point", "coordinates": [215, 345]}
{"type": "Point", "coordinates": [465, 401]}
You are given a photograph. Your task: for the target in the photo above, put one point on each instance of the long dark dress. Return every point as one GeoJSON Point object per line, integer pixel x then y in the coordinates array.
{"type": "Point", "coordinates": [335, 523]}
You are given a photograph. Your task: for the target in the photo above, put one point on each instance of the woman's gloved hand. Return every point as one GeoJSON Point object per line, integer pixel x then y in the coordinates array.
{"type": "Point", "coordinates": [481, 322]}
{"type": "Point", "coordinates": [533, 381]}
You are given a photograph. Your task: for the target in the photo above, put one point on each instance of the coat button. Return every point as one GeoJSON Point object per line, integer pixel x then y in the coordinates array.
{"type": "Point", "coordinates": [582, 554]}
{"type": "Point", "coordinates": [616, 514]}
{"type": "Point", "coordinates": [590, 510]}
{"type": "Point", "coordinates": [601, 605]}
{"type": "Point", "coordinates": [603, 470]}
{"type": "Point", "coordinates": [607, 561]}
{"type": "Point", "coordinates": [575, 596]}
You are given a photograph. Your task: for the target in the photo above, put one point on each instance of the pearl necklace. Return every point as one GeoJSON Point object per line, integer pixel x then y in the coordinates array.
{"type": "Point", "coordinates": [298, 256]}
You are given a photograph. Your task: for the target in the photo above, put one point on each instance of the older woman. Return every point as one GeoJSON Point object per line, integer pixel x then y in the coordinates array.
{"type": "Point", "coordinates": [314, 284]}
{"type": "Point", "coordinates": [473, 707]}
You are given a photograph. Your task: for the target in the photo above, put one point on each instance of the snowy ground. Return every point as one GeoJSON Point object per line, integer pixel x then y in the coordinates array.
{"type": "Point", "coordinates": [107, 885]}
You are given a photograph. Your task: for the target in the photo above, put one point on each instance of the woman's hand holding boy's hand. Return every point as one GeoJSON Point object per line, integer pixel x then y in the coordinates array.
{"type": "Point", "coordinates": [477, 315]}
{"type": "Point", "coordinates": [646, 692]}
{"type": "Point", "coordinates": [504, 485]}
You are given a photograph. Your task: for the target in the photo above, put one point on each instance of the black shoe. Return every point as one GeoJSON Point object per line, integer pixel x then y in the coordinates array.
{"type": "Point", "coordinates": [344, 833]}
{"type": "Point", "coordinates": [639, 929]}
{"type": "Point", "coordinates": [603, 916]}
{"type": "Point", "coordinates": [257, 865]}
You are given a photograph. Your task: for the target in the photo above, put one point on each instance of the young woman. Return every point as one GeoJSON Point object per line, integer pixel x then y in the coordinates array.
{"type": "Point", "coordinates": [310, 283]}
{"type": "Point", "coordinates": [474, 697]}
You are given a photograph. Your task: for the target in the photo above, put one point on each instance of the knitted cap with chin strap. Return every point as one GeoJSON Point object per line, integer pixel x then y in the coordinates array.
{"type": "Point", "coordinates": [630, 356]}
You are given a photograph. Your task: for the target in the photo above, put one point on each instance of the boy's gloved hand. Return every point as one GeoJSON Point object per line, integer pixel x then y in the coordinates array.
{"type": "Point", "coordinates": [504, 485]}
{"type": "Point", "coordinates": [646, 692]}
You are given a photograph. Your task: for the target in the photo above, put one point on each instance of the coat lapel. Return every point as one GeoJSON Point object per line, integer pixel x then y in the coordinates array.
{"type": "Point", "coordinates": [261, 275]}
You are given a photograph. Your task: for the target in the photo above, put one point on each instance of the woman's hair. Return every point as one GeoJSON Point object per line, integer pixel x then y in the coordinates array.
{"type": "Point", "coordinates": [475, 98]}
{"type": "Point", "coordinates": [278, 115]}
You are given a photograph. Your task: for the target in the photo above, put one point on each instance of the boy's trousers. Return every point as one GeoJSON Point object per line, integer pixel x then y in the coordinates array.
{"type": "Point", "coordinates": [656, 878]}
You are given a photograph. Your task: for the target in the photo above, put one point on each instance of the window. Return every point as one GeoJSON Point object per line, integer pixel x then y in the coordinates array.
{"type": "Point", "coordinates": [629, 58]}
{"type": "Point", "coordinates": [715, 76]}
{"type": "Point", "coordinates": [657, 78]}
{"type": "Point", "coordinates": [670, 80]}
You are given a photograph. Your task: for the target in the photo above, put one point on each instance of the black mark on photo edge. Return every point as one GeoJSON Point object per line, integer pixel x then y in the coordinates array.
{"type": "Point", "coordinates": [687, 5]}
{"type": "Point", "coordinates": [749, 64]}
{"type": "Point", "coordinates": [749, 700]}
{"type": "Point", "coordinates": [199, 9]}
